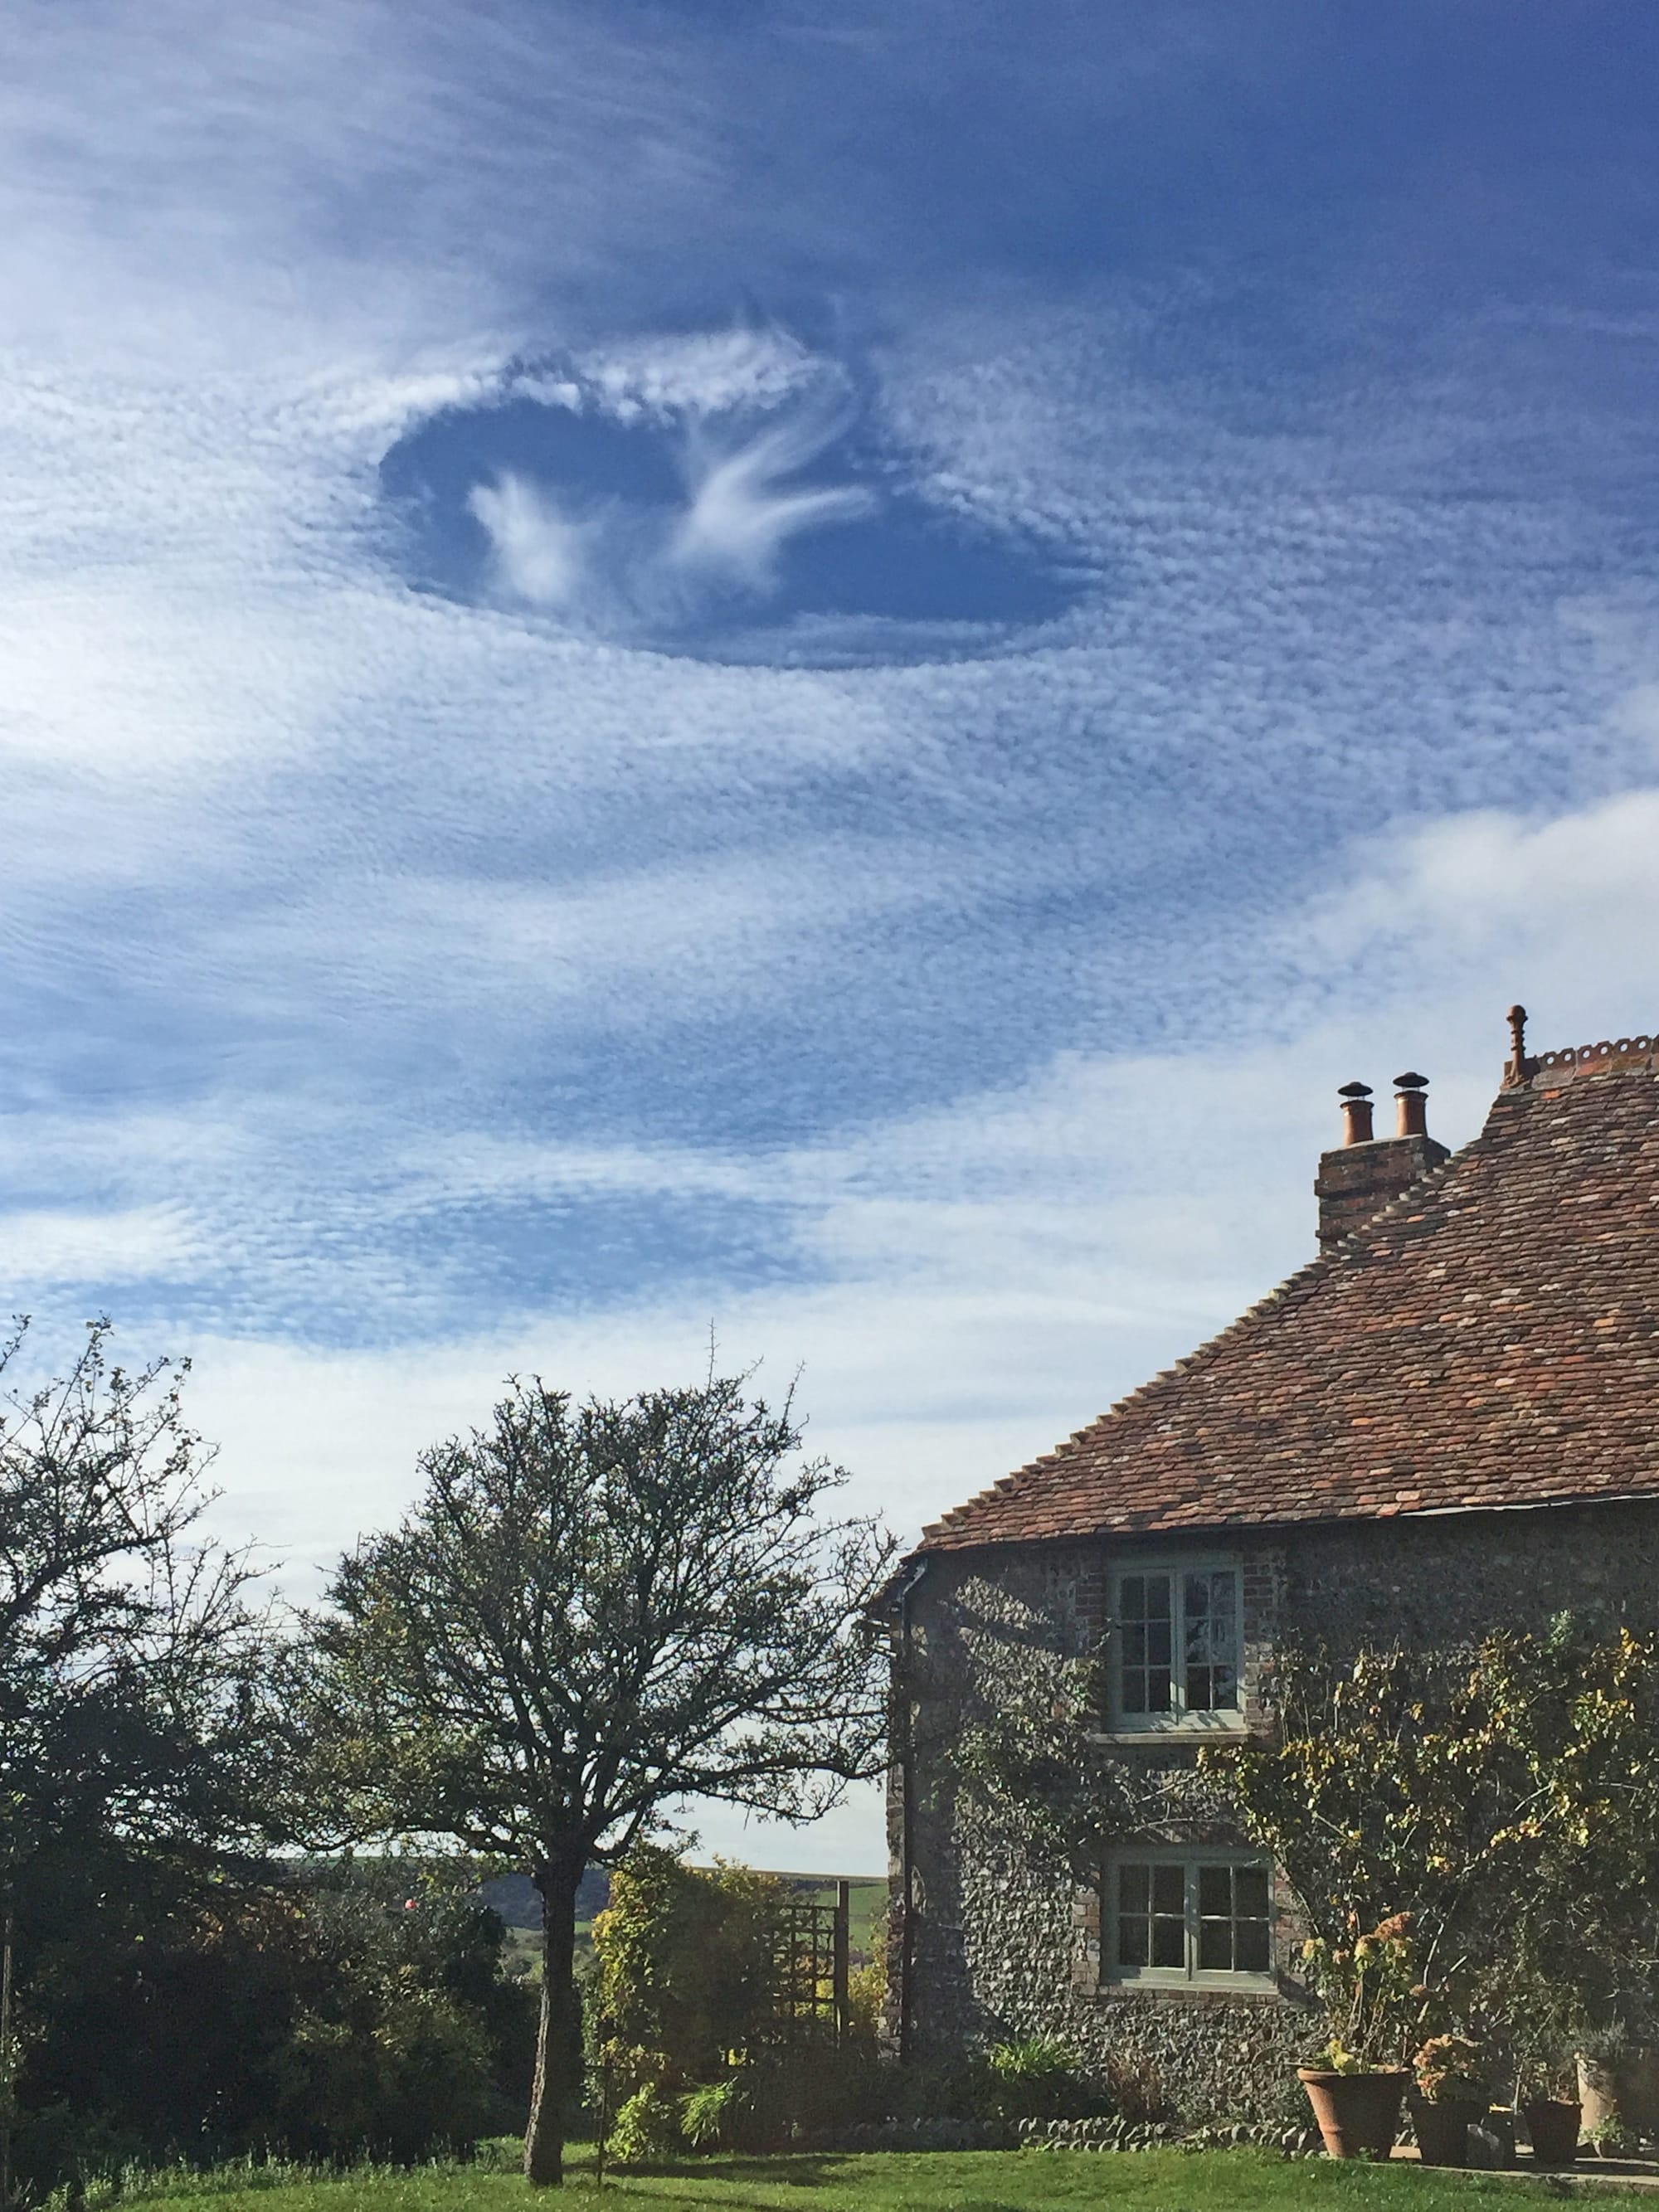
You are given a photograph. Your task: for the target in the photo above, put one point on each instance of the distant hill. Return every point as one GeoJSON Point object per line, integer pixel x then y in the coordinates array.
{"type": "Point", "coordinates": [515, 1897]}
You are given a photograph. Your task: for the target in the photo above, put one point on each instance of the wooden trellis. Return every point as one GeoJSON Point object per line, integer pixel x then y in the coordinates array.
{"type": "Point", "coordinates": [813, 1962]}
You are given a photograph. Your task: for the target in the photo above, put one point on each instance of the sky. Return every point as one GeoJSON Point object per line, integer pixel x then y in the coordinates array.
{"type": "Point", "coordinates": [802, 669]}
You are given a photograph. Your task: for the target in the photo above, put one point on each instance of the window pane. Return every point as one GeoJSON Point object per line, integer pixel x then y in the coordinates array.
{"type": "Point", "coordinates": [1169, 1942]}
{"type": "Point", "coordinates": [1252, 1882]}
{"type": "Point", "coordinates": [1251, 1947]}
{"type": "Point", "coordinates": [1170, 1889]}
{"type": "Point", "coordinates": [1210, 1641]}
{"type": "Point", "coordinates": [1145, 1610]}
{"type": "Point", "coordinates": [1135, 1889]}
{"type": "Point", "coordinates": [1215, 1892]}
{"type": "Point", "coordinates": [1144, 1597]}
{"type": "Point", "coordinates": [1215, 1946]}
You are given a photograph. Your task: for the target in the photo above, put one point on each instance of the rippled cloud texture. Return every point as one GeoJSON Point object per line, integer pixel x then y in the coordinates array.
{"type": "Point", "coordinates": [815, 669]}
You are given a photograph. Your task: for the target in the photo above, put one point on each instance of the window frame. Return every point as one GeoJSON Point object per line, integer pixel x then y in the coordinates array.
{"type": "Point", "coordinates": [1180, 1719]}
{"type": "Point", "coordinates": [1191, 1858]}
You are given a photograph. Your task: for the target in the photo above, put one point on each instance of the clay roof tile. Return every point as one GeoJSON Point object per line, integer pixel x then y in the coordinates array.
{"type": "Point", "coordinates": [1489, 1336]}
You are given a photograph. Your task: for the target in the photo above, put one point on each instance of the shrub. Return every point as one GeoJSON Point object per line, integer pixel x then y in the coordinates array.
{"type": "Point", "coordinates": [707, 2115]}
{"type": "Point", "coordinates": [343, 2012]}
{"type": "Point", "coordinates": [647, 2128]}
{"type": "Point", "coordinates": [1036, 2078]}
{"type": "Point", "coordinates": [1135, 2089]}
{"type": "Point", "coordinates": [1451, 2068]}
{"type": "Point", "coordinates": [686, 1998]}
{"type": "Point", "coordinates": [683, 1969]}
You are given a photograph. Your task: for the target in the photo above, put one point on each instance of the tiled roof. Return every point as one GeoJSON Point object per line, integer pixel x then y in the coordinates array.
{"type": "Point", "coordinates": [1489, 1339]}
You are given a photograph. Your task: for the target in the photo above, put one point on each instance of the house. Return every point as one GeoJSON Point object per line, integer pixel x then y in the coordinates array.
{"type": "Point", "coordinates": [1447, 1421]}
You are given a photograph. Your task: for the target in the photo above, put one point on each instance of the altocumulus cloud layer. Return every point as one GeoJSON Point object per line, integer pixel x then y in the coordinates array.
{"type": "Point", "coordinates": [816, 673]}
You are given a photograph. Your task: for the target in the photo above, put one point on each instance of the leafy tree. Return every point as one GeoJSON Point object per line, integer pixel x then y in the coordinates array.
{"type": "Point", "coordinates": [595, 1611]}
{"type": "Point", "coordinates": [1506, 1801]}
{"type": "Point", "coordinates": [130, 1655]}
{"type": "Point", "coordinates": [130, 1722]}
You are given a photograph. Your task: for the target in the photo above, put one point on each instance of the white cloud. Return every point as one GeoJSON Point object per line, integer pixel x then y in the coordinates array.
{"type": "Point", "coordinates": [1532, 891]}
{"type": "Point", "coordinates": [625, 569]}
{"type": "Point", "coordinates": [540, 555]}
{"type": "Point", "coordinates": [692, 374]}
{"type": "Point", "coordinates": [57, 1248]}
{"type": "Point", "coordinates": [741, 516]}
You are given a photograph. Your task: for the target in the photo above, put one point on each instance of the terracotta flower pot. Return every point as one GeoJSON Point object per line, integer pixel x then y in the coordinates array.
{"type": "Point", "coordinates": [1443, 2128]}
{"type": "Point", "coordinates": [1624, 2094]}
{"type": "Point", "coordinates": [1358, 2114]}
{"type": "Point", "coordinates": [1598, 2095]}
{"type": "Point", "coordinates": [1552, 2123]}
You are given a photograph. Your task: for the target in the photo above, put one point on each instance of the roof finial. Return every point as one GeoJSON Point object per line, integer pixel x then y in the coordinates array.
{"type": "Point", "coordinates": [1518, 1071]}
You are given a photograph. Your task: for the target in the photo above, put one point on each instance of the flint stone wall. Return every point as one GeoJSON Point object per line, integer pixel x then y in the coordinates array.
{"type": "Point", "coordinates": [1005, 1947]}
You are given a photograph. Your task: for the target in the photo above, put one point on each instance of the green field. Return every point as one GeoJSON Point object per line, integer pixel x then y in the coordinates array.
{"type": "Point", "coordinates": [937, 2181]}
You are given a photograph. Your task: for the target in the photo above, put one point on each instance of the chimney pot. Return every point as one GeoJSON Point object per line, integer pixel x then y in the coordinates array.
{"type": "Point", "coordinates": [1408, 1090]}
{"type": "Point", "coordinates": [1356, 1113]}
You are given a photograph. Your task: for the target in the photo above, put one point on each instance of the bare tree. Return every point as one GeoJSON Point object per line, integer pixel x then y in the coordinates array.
{"type": "Point", "coordinates": [595, 1612]}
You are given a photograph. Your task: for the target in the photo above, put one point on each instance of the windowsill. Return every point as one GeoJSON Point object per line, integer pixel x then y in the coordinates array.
{"type": "Point", "coordinates": [1188, 1728]}
{"type": "Point", "coordinates": [1154, 1985]}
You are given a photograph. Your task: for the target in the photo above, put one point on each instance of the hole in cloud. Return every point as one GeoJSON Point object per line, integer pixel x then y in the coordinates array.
{"type": "Point", "coordinates": [725, 498]}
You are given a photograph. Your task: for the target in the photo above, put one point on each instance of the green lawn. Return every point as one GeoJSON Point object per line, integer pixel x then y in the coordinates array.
{"type": "Point", "coordinates": [936, 2181]}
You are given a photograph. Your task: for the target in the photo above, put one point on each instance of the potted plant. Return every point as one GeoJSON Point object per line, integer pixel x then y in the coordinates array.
{"type": "Point", "coordinates": [1617, 2084]}
{"type": "Point", "coordinates": [1356, 2084]}
{"type": "Point", "coordinates": [1538, 2013]}
{"type": "Point", "coordinates": [1544, 2093]}
{"type": "Point", "coordinates": [1553, 2115]}
{"type": "Point", "coordinates": [1449, 2095]}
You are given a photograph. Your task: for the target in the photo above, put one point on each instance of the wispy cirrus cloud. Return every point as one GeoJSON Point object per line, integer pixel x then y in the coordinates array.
{"type": "Point", "coordinates": [622, 567]}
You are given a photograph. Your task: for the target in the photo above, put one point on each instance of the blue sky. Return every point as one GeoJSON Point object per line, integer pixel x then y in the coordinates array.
{"type": "Point", "coordinates": [814, 669]}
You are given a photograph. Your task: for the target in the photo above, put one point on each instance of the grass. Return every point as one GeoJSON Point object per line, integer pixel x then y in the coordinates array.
{"type": "Point", "coordinates": [934, 2181]}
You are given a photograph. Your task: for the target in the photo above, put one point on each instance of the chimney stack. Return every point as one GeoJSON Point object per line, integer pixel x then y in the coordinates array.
{"type": "Point", "coordinates": [1365, 1172]}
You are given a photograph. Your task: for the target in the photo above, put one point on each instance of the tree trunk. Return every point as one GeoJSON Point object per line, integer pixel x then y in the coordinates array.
{"type": "Point", "coordinates": [552, 2096]}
